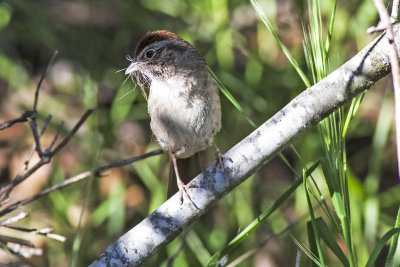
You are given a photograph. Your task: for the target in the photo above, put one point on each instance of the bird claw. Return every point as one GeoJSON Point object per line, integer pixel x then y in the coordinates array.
{"type": "Point", "coordinates": [182, 191]}
{"type": "Point", "coordinates": [221, 157]}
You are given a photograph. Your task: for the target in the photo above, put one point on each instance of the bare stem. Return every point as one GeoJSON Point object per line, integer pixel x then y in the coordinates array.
{"type": "Point", "coordinates": [395, 67]}
{"type": "Point", "coordinates": [44, 157]}
{"type": "Point", "coordinates": [71, 133]}
{"type": "Point", "coordinates": [41, 80]}
{"type": "Point", "coordinates": [25, 166]}
{"type": "Point", "coordinates": [23, 118]}
{"type": "Point", "coordinates": [97, 172]}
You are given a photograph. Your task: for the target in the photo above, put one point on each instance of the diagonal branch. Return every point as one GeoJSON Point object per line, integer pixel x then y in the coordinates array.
{"type": "Point", "coordinates": [307, 109]}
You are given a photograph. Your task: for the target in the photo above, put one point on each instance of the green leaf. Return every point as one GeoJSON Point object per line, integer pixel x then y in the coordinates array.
{"type": "Point", "coordinates": [338, 204]}
{"type": "Point", "coordinates": [230, 97]}
{"type": "Point", "coordinates": [391, 259]}
{"type": "Point", "coordinates": [330, 240]}
{"type": "Point", "coordinates": [312, 239]}
{"type": "Point", "coordinates": [312, 230]}
{"type": "Point", "coordinates": [271, 28]}
{"type": "Point", "coordinates": [381, 243]}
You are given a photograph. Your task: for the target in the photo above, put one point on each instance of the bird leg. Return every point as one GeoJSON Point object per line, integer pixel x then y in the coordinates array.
{"type": "Point", "coordinates": [181, 186]}
{"type": "Point", "coordinates": [220, 157]}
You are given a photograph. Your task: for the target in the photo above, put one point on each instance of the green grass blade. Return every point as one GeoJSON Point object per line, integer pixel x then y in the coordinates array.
{"type": "Point", "coordinates": [330, 240]}
{"type": "Point", "coordinates": [330, 30]}
{"type": "Point", "coordinates": [197, 247]}
{"type": "Point", "coordinates": [271, 28]}
{"type": "Point", "coordinates": [308, 252]}
{"type": "Point", "coordinates": [355, 104]}
{"type": "Point", "coordinates": [344, 220]}
{"type": "Point", "coordinates": [313, 241]}
{"type": "Point", "coordinates": [313, 234]}
{"type": "Point", "coordinates": [381, 243]}
{"type": "Point", "coordinates": [390, 259]}
{"type": "Point", "coordinates": [264, 215]}
{"type": "Point", "coordinates": [230, 97]}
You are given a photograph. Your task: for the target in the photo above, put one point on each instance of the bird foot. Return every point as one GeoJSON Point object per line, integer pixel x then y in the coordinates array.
{"type": "Point", "coordinates": [181, 186]}
{"type": "Point", "coordinates": [221, 157]}
{"type": "Point", "coordinates": [182, 191]}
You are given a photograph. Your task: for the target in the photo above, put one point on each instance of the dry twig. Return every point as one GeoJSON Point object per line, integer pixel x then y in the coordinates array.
{"type": "Point", "coordinates": [386, 24]}
{"type": "Point", "coordinates": [97, 172]}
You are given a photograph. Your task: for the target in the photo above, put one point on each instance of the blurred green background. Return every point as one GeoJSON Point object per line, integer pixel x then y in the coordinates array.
{"type": "Point", "coordinates": [93, 39]}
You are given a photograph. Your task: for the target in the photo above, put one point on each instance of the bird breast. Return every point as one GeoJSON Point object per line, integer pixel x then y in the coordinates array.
{"type": "Point", "coordinates": [185, 112]}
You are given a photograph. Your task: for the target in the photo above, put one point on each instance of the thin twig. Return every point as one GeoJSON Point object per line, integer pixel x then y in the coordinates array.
{"type": "Point", "coordinates": [16, 240]}
{"type": "Point", "coordinates": [25, 166]}
{"type": "Point", "coordinates": [5, 190]}
{"type": "Point", "coordinates": [298, 258]}
{"type": "Point", "coordinates": [30, 113]}
{"type": "Point", "coordinates": [395, 67]}
{"type": "Point", "coordinates": [44, 157]}
{"type": "Point", "coordinates": [41, 80]}
{"type": "Point", "coordinates": [23, 252]}
{"type": "Point", "coordinates": [97, 172]}
{"type": "Point", "coordinates": [43, 232]}
{"type": "Point", "coordinates": [23, 118]}
{"type": "Point", "coordinates": [71, 133]}
{"type": "Point", "coordinates": [33, 126]}
{"type": "Point", "coordinates": [127, 161]}
{"type": "Point", "coordinates": [20, 203]}
{"type": "Point", "coordinates": [47, 151]}
{"type": "Point", "coordinates": [45, 123]}
{"type": "Point", "coordinates": [19, 228]}
{"type": "Point", "coordinates": [20, 216]}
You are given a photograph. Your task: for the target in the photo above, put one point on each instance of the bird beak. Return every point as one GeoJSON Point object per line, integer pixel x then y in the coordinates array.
{"type": "Point", "coordinates": [132, 68]}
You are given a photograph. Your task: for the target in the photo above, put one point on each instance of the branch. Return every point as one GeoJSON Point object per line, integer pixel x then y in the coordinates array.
{"type": "Point", "coordinates": [35, 102]}
{"type": "Point", "coordinates": [23, 118]}
{"type": "Point", "coordinates": [45, 158]}
{"type": "Point", "coordinates": [77, 178]}
{"type": "Point", "coordinates": [395, 9]}
{"type": "Point", "coordinates": [395, 67]}
{"type": "Point", "coordinates": [307, 109]}
{"type": "Point", "coordinates": [30, 113]}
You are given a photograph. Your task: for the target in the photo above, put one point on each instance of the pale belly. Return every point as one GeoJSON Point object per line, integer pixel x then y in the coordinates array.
{"type": "Point", "coordinates": [184, 125]}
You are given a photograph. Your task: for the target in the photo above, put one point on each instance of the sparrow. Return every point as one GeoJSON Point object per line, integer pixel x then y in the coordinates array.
{"type": "Point", "coordinates": [183, 99]}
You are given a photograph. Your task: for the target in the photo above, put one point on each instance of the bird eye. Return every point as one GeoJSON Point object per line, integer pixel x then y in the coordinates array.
{"type": "Point", "coordinates": [150, 53]}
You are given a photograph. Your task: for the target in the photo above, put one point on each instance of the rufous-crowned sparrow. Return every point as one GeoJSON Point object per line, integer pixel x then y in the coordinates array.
{"type": "Point", "coordinates": [183, 100]}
